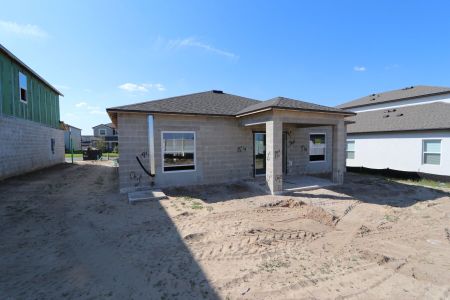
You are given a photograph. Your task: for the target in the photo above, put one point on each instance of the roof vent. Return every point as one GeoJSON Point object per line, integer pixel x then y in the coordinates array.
{"type": "Point", "coordinates": [408, 88]}
{"type": "Point", "coordinates": [217, 91]}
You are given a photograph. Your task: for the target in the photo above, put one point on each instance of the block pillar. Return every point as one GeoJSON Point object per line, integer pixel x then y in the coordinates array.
{"type": "Point", "coordinates": [274, 159]}
{"type": "Point", "coordinates": [339, 157]}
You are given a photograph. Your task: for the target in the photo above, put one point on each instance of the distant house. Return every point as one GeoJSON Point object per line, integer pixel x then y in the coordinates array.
{"type": "Point", "coordinates": [30, 132]}
{"type": "Point", "coordinates": [405, 130]}
{"type": "Point", "coordinates": [72, 133]}
{"type": "Point", "coordinates": [105, 133]}
{"type": "Point", "coordinates": [108, 133]}
{"type": "Point", "coordinates": [215, 137]}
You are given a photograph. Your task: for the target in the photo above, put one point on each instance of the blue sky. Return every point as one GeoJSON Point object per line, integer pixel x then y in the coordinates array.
{"type": "Point", "coordinates": [107, 53]}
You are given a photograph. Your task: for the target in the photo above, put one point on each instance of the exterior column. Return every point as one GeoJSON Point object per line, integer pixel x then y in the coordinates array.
{"type": "Point", "coordinates": [274, 159]}
{"type": "Point", "coordinates": [339, 157]}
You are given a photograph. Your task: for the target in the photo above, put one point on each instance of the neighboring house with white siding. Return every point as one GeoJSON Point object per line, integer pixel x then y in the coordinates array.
{"type": "Point", "coordinates": [405, 130]}
{"type": "Point", "coordinates": [72, 137]}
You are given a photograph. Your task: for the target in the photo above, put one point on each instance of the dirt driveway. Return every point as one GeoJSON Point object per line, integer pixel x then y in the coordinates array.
{"type": "Point", "coordinates": [67, 233]}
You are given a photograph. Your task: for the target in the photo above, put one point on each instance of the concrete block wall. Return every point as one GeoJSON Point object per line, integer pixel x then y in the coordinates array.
{"type": "Point", "coordinates": [298, 150]}
{"type": "Point", "coordinates": [224, 150]}
{"type": "Point", "coordinates": [133, 141]}
{"type": "Point", "coordinates": [26, 146]}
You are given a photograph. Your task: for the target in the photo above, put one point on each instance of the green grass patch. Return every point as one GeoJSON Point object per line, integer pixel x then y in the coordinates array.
{"type": "Point", "coordinates": [68, 155]}
{"type": "Point", "coordinates": [196, 205]}
{"type": "Point", "coordinates": [391, 218]}
{"type": "Point", "coordinates": [105, 155]}
{"type": "Point", "coordinates": [424, 182]}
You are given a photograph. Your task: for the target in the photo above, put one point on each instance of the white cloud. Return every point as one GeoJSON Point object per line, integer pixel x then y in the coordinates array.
{"type": "Point", "coordinates": [93, 110]}
{"type": "Point", "coordinates": [23, 30]}
{"type": "Point", "coordinates": [192, 42]}
{"type": "Point", "coordinates": [81, 104]}
{"type": "Point", "coordinates": [97, 112]}
{"type": "Point", "coordinates": [159, 87]}
{"type": "Point", "coordinates": [359, 68]}
{"type": "Point", "coordinates": [142, 87]}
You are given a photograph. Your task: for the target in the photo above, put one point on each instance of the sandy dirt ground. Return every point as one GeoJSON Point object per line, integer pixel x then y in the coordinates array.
{"type": "Point", "coordinates": [66, 233]}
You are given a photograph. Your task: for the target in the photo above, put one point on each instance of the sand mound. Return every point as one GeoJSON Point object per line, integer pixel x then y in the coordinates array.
{"type": "Point", "coordinates": [320, 215]}
{"type": "Point", "coordinates": [306, 211]}
{"type": "Point", "coordinates": [289, 203]}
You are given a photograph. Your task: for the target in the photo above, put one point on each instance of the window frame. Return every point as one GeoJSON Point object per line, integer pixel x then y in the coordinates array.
{"type": "Point", "coordinates": [346, 149]}
{"type": "Point", "coordinates": [162, 152]}
{"type": "Point", "coordinates": [100, 131]}
{"type": "Point", "coordinates": [423, 151]}
{"type": "Point", "coordinates": [26, 88]}
{"type": "Point", "coordinates": [309, 149]}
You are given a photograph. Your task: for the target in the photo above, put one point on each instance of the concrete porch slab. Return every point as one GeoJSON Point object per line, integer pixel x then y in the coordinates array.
{"type": "Point", "coordinates": [146, 195]}
{"type": "Point", "coordinates": [303, 183]}
{"type": "Point", "coordinates": [293, 183]}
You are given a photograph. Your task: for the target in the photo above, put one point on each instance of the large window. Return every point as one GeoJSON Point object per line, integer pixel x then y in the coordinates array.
{"type": "Point", "coordinates": [317, 147]}
{"type": "Point", "coordinates": [102, 131]}
{"type": "Point", "coordinates": [23, 87]}
{"type": "Point", "coordinates": [178, 149]}
{"type": "Point", "coordinates": [431, 152]}
{"type": "Point", "coordinates": [350, 149]}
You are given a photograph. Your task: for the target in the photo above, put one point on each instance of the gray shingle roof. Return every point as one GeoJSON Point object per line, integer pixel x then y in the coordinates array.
{"type": "Point", "coordinates": [286, 103]}
{"type": "Point", "coordinates": [218, 103]}
{"type": "Point", "coordinates": [205, 103]}
{"type": "Point", "coordinates": [401, 94]}
{"type": "Point", "coordinates": [435, 115]}
{"type": "Point", "coordinates": [17, 60]}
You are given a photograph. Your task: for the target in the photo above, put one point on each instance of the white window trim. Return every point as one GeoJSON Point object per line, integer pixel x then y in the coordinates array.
{"type": "Point", "coordinates": [325, 153]}
{"type": "Point", "coordinates": [423, 151]}
{"type": "Point", "coordinates": [26, 90]}
{"type": "Point", "coordinates": [102, 130]}
{"type": "Point", "coordinates": [346, 149]}
{"type": "Point", "coordinates": [162, 152]}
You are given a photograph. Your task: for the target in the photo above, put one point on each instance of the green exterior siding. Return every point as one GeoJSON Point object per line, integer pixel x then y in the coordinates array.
{"type": "Point", "coordinates": [42, 102]}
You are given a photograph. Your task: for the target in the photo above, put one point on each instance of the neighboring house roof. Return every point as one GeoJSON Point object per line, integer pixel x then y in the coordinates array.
{"type": "Point", "coordinates": [66, 126]}
{"type": "Point", "coordinates": [110, 125]}
{"type": "Point", "coordinates": [407, 118]}
{"type": "Point", "coordinates": [17, 60]}
{"type": "Point", "coordinates": [286, 103]}
{"type": "Point", "coordinates": [395, 95]}
{"type": "Point", "coordinates": [218, 103]}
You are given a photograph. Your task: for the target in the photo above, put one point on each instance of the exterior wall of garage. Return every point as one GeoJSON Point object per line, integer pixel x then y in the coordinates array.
{"type": "Point", "coordinates": [223, 152]}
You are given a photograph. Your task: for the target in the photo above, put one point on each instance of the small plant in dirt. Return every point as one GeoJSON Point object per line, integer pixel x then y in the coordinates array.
{"type": "Point", "coordinates": [187, 198]}
{"type": "Point", "coordinates": [274, 264]}
{"type": "Point", "coordinates": [209, 208]}
{"type": "Point", "coordinates": [196, 205]}
{"type": "Point", "coordinates": [391, 218]}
